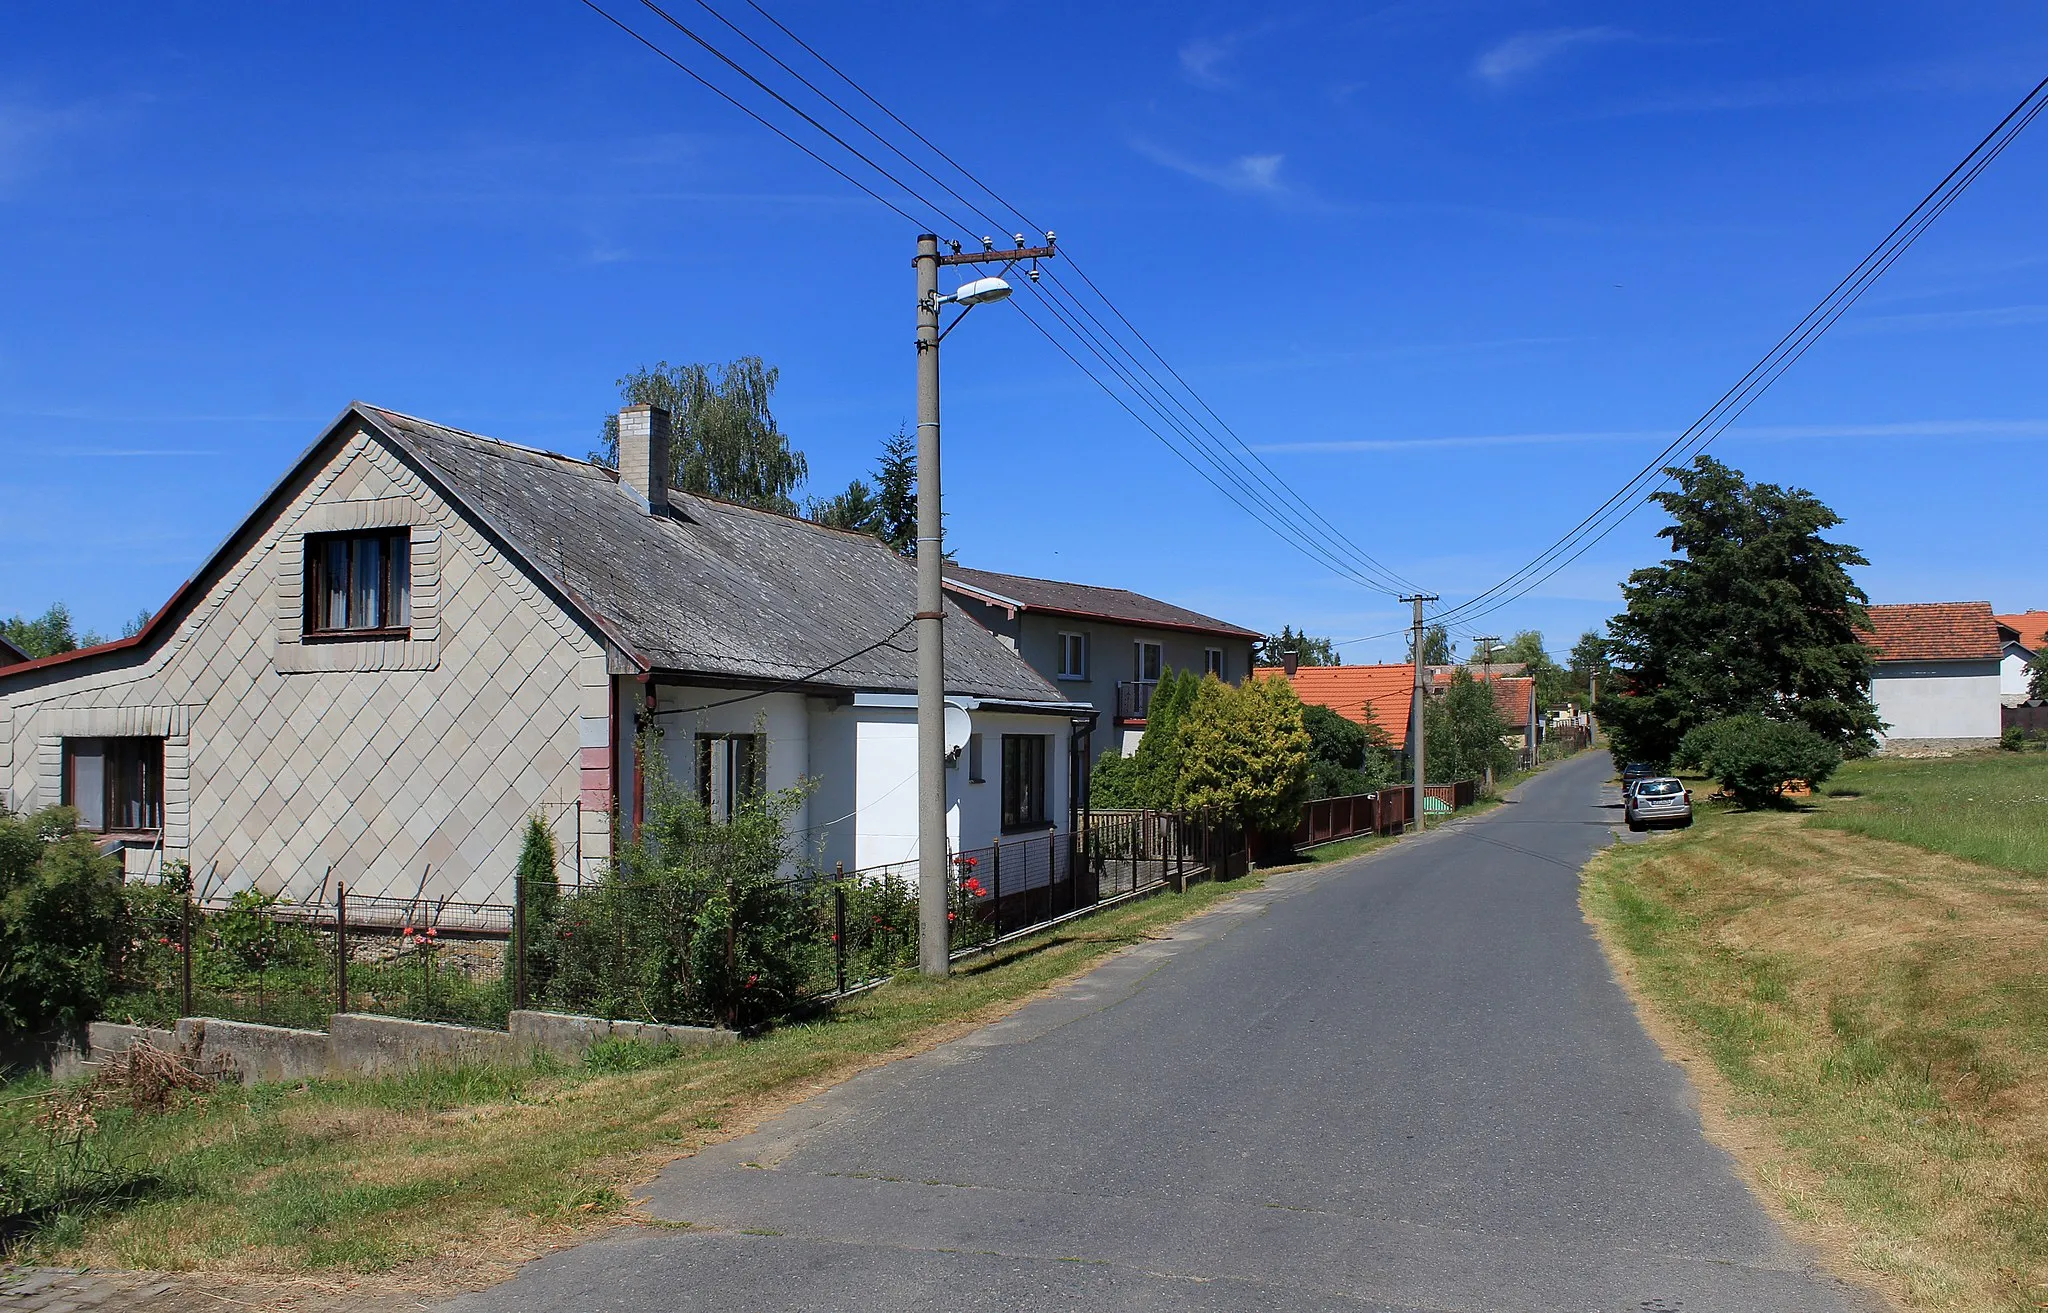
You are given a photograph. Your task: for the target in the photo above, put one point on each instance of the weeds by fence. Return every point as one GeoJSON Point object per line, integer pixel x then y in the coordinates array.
{"type": "Point", "coordinates": [636, 944]}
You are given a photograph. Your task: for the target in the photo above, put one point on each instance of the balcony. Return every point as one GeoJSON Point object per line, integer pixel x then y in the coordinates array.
{"type": "Point", "coordinates": [1133, 700]}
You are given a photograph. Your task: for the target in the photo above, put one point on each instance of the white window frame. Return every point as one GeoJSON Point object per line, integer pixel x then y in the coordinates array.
{"type": "Point", "coordinates": [1212, 662]}
{"type": "Point", "coordinates": [1138, 649]}
{"type": "Point", "coordinates": [1074, 645]}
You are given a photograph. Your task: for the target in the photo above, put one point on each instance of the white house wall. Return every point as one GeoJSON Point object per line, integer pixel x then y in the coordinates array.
{"type": "Point", "coordinates": [390, 765]}
{"type": "Point", "coordinates": [2013, 679]}
{"type": "Point", "coordinates": [782, 717]}
{"type": "Point", "coordinates": [1938, 700]}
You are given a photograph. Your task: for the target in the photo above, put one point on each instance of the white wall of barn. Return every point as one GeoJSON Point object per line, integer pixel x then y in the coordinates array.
{"type": "Point", "coordinates": [1938, 699]}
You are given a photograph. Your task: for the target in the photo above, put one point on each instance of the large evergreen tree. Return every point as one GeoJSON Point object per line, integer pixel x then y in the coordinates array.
{"type": "Point", "coordinates": [1756, 614]}
{"type": "Point", "coordinates": [724, 441]}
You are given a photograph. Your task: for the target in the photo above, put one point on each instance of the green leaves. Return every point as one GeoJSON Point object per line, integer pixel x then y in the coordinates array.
{"type": "Point", "coordinates": [1465, 728]}
{"type": "Point", "coordinates": [1245, 754]}
{"type": "Point", "coordinates": [725, 442]}
{"type": "Point", "coordinates": [60, 907]}
{"type": "Point", "coordinates": [1753, 757]}
{"type": "Point", "coordinates": [1757, 615]}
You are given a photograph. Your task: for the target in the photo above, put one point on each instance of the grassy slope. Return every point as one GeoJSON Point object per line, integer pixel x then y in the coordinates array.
{"type": "Point", "coordinates": [445, 1179]}
{"type": "Point", "coordinates": [1872, 1016]}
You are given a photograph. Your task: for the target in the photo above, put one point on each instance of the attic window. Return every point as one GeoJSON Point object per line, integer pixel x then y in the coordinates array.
{"type": "Point", "coordinates": [359, 585]}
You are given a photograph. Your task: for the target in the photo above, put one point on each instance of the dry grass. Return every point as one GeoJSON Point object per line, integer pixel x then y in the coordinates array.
{"type": "Point", "coordinates": [1869, 1025]}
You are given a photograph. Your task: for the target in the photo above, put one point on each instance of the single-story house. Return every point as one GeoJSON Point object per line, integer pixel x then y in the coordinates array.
{"type": "Point", "coordinates": [423, 636]}
{"type": "Point", "coordinates": [2022, 637]}
{"type": "Point", "coordinates": [1103, 646]}
{"type": "Point", "coordinates": [1514, 697]}
{"type": "Point", "coordinates": [1936, 685]}
{"type": "Point", "coordinates": [1382, 695]}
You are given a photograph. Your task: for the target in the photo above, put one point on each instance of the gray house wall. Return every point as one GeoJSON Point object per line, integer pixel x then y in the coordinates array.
{"type": "Point", "coordinates": [395, 765]}
{"type": "Point", "coordinates": [1035, 637]}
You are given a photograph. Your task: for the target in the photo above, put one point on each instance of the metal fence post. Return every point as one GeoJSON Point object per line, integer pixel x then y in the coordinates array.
{"type": "Point", "coordinates": [732, 927]}
{"type": "Point", "coordinates": [995, 875]}
{"type": "Point", "coordinates": [519, 940]}
{"type": "Point", "coordinates": [341, 947]}
{"type": "Point", "coordinates": [185, 959]}
{"type": "Point", "coordinates": [839, 924]}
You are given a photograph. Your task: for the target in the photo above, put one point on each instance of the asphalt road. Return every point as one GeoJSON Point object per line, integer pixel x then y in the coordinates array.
{"type": "Point", "coordinates": [1406, 1082]}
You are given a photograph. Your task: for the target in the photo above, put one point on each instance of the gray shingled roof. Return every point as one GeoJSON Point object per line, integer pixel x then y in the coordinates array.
{"type": "Point", "coordinates": [1096, 603]}
{"type": "Point", "coordinates": [713, 589]}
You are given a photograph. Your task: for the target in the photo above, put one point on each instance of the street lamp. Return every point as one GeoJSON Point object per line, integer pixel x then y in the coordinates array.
{"type": "Point", "coordinates": [933, 876]}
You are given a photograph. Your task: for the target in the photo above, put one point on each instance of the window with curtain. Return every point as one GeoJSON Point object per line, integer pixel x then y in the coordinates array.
{"type": "Point", "coordinates": [117, 785]}
{"type": "Point", "coordinates": [359, 583]}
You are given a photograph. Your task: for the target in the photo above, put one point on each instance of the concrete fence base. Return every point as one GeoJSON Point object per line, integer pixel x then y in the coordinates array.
{"type": "Point", "coordinates": [357, 1044]}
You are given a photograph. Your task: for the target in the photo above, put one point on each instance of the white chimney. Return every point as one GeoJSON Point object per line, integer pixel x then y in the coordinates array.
{"type": "Point", "coordinates": [644, 456]}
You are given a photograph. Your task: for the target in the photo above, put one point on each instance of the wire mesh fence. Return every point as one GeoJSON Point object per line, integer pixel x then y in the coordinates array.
{"type": "Point", "coordinates": [255, 958]}
{"type": "Point", "coordinates": [684, 949]}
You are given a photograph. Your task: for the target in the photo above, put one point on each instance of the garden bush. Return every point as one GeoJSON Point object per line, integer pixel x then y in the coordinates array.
{"type": "Point", "coordinates": [60, 917]}
{"type": "Point", "coordinates": [1754, 757]}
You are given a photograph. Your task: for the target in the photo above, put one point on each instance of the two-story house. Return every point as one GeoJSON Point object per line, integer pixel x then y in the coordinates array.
{"type": "Point", "coordinates": [1104, 646]}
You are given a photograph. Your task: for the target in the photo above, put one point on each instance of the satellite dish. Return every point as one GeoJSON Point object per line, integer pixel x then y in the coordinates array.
{"type": "Point", "coordinates": [958, 726]}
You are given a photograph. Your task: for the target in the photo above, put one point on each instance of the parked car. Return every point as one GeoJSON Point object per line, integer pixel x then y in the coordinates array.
{"type": "Point", "coordinates": [1636, 770]}
{"type": "Point", "coordinates": [1658, 800]}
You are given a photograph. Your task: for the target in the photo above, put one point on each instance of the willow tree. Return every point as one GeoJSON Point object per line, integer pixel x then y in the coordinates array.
{"type": "Point", "coordinates": [724, 440]}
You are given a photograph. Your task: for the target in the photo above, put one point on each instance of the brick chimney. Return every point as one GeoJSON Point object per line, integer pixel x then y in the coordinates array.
{"type": "Point", "coordinates": [1290, 661]}
{"type": "Point", "coordinates": [644, 455]}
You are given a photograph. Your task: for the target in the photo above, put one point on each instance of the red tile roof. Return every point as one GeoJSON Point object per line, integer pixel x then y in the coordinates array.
{"type": "Point", "coordinates": [1511, 692]}
{"type": "Point", "coordinates": [2031, 626]}
{"type": "Point", "coordinates": [1935, 631]}
{"type": "Point", "coordinates": [1349, 690]}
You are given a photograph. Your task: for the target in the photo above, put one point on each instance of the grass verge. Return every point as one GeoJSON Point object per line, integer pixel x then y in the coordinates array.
{"type": "Point", "coordinates": [1867, 1020]}
{"type": "Point", "coordinates": [1991, 807]}
{"type": "Point", "coordinates": [445, 1179]}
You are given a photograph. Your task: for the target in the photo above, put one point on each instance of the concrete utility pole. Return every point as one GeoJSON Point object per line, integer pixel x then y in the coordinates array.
{"type": "Point", "coordinates": [934, 940]}
{"type": "Point", "coordinates": [1485, 646]}
{"type": "Point", "coordinates": [1416, 718]}
{"type": "Point", "coordinates": [934, 883]}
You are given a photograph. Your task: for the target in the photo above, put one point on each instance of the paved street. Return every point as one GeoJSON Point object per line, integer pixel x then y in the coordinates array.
{"type": "Point", "coordinates": [1403, 1083]}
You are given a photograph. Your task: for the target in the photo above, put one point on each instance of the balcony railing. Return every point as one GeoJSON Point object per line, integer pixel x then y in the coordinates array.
{"type": "Point", "coordinates": [1134, 699]}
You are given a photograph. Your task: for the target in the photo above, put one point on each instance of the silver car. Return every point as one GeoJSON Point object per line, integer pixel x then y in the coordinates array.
{"type": "Point", "coordinates": [1658, 800]}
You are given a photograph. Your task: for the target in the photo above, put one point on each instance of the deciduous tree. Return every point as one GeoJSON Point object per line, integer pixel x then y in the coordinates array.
{"type": "Point", "coordinates": [724, 441]}
{"type": "Point", "coordinates": [1273, 649]}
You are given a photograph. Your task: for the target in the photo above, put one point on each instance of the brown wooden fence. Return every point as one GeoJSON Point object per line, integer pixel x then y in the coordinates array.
{"type": "Point", "coordinates": [2029, 719]}
{"type": "Point", "coordinates": [1388, 811]}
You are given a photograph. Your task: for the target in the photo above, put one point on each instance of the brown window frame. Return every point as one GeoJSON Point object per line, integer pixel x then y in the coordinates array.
{"type": "Point", "coordinates": [314, 602]}
{"type": "Point", "coordinates": [139, 757]}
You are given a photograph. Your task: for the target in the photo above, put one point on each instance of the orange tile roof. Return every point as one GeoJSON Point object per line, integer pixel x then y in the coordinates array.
{"type": "Point", "coordinates": [1348, 690]}
{"type": "Point", "coordinates": [1935, 631]}
{"type": "Point", "coordinates": [2031, 626]}
{"type": "Point", "coordinates": [1511, 692]}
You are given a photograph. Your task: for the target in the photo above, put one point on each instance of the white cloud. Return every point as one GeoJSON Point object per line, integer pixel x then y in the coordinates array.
{"type": "Point", "coordinates": [1996, 430]}
{"type": "Point", "coordinates": [1941, 321]}
{"type": "Point", "coordinates": [1246, 173]}
{"type": "Point", "coordinates": [1524, 53]}
{"type": "Point", "coordinates": [1199, 59]}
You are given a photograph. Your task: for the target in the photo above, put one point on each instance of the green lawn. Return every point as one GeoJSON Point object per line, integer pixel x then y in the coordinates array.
{"type": "Point", "coordinates": [1990, 808]}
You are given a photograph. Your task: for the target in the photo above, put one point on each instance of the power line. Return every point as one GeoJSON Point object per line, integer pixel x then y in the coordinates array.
{"type": "Point", "coordinates": [1760, 376]}
{"type": "Point", "coordinates": [1261, 485]}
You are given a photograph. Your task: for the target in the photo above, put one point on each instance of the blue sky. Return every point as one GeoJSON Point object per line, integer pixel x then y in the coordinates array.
{"type": "Point", "coordinates": [1455, 269]}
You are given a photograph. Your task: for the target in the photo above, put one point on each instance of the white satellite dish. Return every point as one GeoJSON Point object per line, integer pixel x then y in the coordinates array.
{"type": "Point", "coordinates": [958, 726]}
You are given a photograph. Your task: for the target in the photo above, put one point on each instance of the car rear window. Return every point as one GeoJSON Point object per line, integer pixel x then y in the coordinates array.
{"type": "Point", "coordinates": [1659, 789]}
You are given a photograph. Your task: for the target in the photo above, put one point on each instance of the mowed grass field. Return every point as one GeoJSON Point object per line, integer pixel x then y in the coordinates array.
{"type": "Point", "coordinates": [1861, 992]}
